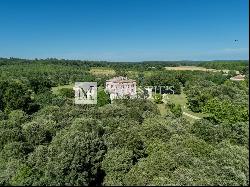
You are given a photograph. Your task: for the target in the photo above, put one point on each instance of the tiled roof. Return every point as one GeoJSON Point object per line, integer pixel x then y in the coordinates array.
{"type": "Point", "coordinates": [121, 80]}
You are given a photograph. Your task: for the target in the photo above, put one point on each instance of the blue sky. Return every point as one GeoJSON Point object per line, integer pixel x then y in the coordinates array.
{"type": "Point", "coordinates": [125, 30]}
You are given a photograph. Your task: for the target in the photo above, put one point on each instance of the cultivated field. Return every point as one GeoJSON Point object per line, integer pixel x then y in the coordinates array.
{"type": "Point", "coordinates": [195, 68]}
{"type": "Point", "coordinates": [102, 71]}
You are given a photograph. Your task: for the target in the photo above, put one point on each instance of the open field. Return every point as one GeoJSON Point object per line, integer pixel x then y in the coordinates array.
{"type": "Point", "coordinates": [195, 68]}
{"type": "Point", "coordinates": [132, 73]}
{"type": "Point", "coordinates": [110, 71]}
{"type": "Point", "coordinates": [161, 108]}
{"type": "Point", "coordinates": [102, 71]}
{"type": "Point", "coordinates": [55, 89]}
{"type": "Point", "coordinates": [182, 100]}
{"type": "Point", "coordinates": [189, 68]}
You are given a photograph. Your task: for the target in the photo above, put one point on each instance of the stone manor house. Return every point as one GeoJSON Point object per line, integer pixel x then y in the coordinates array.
{"type": "Point", "coordinates": [120, 87]}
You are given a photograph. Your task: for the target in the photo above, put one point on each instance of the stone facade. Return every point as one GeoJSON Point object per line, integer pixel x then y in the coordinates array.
{"type": "Point", "coordinates": [238, 78]}
{"type": "Point", "coordinates": [121, 87]}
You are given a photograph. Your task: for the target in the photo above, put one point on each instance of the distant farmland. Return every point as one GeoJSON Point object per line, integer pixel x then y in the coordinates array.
{"type": "Point", "coordinates": [102, 71]}
{"type": "Point", "coordinates": [195, 68]}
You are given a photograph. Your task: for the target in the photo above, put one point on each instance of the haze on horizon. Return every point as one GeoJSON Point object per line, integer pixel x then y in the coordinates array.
{"type": "Point", "coordinates": [125, 30]}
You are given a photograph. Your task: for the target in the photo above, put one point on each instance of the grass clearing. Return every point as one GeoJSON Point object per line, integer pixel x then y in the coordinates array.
{"type": "Point", "coordinates": [189, 68]}
{"type": "Point", "coordinates": [102, 71]}
{"type": "Point", "coordinates": [161, 108]}
{"type": "Point", "coordinates": [182, 100]}
{"type": "Point", "coordinates": [56, 89]}
{"type": "Point", "coordinates": [132, 73]}
{"type": "Point", "coordinates": [110, 71]}
{"type": "Point", "coordinates": [178, 99]}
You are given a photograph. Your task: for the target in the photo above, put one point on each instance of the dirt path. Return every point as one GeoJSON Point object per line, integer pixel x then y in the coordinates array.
{"type": "Point", "coordinates": [194, 117]}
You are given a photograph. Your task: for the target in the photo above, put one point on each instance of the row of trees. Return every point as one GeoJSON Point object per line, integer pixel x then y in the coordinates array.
{"type": "Point", "coordinates": [138, 66]}
{"type": "Point", "coordinates": [239, 65]}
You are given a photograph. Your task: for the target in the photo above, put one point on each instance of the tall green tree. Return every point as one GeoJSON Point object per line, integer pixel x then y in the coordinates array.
{"type": "Point", "coordinates": [103, 98]}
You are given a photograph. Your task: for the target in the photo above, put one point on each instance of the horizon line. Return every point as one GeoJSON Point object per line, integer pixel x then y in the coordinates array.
{"type": "Point", "coordinates": [89, 60]}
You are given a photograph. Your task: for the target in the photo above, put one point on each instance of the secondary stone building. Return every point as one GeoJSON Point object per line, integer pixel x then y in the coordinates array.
{"type": "Point", "coordinates": [121, 87]}
{"type": "Point", "coordinates": [238, 78]}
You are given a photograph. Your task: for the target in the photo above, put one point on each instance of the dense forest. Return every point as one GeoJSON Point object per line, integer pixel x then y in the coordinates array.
{"type": "Point", "coordinates": [46, 139]}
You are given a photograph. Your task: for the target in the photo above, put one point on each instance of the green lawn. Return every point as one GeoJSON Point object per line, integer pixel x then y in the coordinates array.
{"type": "Point", "coordinates": [55, 89]}
{"type": "Point", "coordinates": [161, 108]}
{"type": "Point", "coordinates": [163, 111]}
{"type": "Point", "coordinates": [134, 73]}
{"type": "Point", "coordinates": [178, 99]}
{"type": "Point", "coordinates": [102, 71]}
{"type": "Point", "coordinates": [182, 100]}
